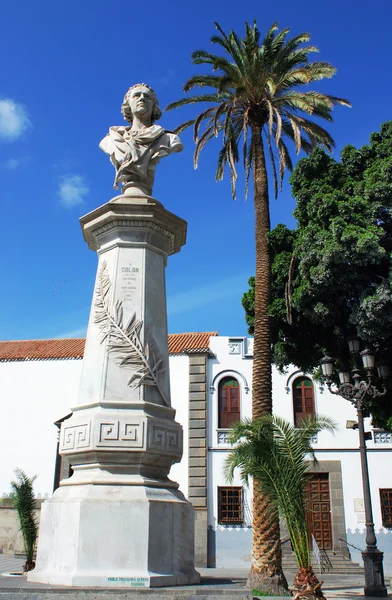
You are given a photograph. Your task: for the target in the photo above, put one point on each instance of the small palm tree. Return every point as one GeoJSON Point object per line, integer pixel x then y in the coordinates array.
{"type": "Point", "coordinates": [275, 454]}
{"type": "Point", "coordinates": [24, 502]}
{"type": "Point", "coordinates": [259, 99]}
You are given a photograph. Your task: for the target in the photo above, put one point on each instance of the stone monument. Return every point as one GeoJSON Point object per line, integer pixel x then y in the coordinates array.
{"type": "Point", "coordinates": [119, 521]}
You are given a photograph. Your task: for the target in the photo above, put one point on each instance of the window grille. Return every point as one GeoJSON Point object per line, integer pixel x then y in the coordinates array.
{"type": "Point", "coordinates": [386, 507]}
{"type": "Point", "coordinates": [230, 509]}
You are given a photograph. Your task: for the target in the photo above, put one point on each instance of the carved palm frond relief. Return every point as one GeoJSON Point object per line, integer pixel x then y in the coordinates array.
{"type": "Point", "coordinates": [124, 338]}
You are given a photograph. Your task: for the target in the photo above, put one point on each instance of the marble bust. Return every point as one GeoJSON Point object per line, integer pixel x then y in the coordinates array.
{"type": "Point", "coordinates": [136, 149]}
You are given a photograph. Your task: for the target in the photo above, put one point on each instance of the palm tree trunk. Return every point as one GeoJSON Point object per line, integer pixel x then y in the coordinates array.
{"type": "Point", "coordinates": [307, 585]}
{"type": "Point", "coordinates": [266, 569]}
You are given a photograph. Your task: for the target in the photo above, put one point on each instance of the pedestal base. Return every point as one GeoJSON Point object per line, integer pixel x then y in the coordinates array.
{"type": "Point", "coordinates": [374, 573]}
{"type": "Point", "coordinates": [116, 536]}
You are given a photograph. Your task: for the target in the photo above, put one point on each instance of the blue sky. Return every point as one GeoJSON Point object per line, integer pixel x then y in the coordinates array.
{"type": "Point", "coordinates": [66, 66]}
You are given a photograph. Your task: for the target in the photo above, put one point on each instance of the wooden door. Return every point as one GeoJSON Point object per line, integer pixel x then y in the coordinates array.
{"type": "Point", "coordinates": [319, 510]}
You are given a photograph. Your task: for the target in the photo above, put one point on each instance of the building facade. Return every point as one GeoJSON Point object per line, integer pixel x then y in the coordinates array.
{"type": "Point", "coordinates": [211, 387]}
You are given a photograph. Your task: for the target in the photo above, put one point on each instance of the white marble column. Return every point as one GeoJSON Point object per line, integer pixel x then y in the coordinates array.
{"type": "Point", "coordinates": [119, 521]}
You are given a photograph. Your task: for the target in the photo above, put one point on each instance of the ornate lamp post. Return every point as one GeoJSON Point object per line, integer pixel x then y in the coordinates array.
{"type": "Point", "coordinates": [356, 390]}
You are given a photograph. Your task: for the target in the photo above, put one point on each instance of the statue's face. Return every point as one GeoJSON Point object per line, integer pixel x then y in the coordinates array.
{"type": "Point", "coordinates": [141, 102]}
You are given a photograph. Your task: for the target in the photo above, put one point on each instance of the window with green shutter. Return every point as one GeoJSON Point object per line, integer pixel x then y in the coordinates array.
{"type": "Point", "coordinates": [228, 402]}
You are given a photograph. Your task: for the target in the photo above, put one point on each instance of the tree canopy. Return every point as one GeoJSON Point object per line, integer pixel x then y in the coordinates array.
{"type": "Point", "coordinates": [332, 275]}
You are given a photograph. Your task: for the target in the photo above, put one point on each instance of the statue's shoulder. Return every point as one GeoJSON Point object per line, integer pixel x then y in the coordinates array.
{"type": "Point", "coordinates": [119, 129]}
{"type": "Point", "coordinates": [174, 141]}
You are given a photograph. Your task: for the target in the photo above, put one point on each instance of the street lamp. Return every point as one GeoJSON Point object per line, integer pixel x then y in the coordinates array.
{"type": "Point", "coordinates": [356, 390]}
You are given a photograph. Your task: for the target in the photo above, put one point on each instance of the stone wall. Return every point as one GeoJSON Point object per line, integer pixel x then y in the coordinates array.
{"type": "Point", "coordinates": [11, 541]}
{"type": "Point", "coordinates": [197, 479]}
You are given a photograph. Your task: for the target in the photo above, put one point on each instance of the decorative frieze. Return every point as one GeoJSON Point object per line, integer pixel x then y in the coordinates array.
{"type": "Point", "coordinates": [122, 433]}
{"type": "Point", "coordinates": [163, 439]}
{"type": "Point", "coordinates": [75, 437]}
{"type": "Point", "coordinates": [223, 437]}
{"type": "Point", "coordinates": [382, 437]}
{"type": "Point", "coordinates": [117, 433]}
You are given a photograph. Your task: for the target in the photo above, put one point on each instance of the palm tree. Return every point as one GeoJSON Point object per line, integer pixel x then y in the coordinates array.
{"type": "Point", "coordinates": [259, 100]}
{"type": "Point", "coordinates": [275, 454]}
{"type": "Point", "coordinates": [24, 502]}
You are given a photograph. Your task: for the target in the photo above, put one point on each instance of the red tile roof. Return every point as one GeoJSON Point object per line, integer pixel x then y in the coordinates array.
{"type": "Point", "coordinates": [179, 343]}
{"type": "Point", "coordinates": [184, 343]}
{"type": "Point", "coordinates": [42, 349]}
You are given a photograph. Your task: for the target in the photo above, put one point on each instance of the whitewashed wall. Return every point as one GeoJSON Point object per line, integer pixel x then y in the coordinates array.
{"type": "Point", "coordinates": [34, 394]}
{"type": "Point", "coordinates": [179, 389]}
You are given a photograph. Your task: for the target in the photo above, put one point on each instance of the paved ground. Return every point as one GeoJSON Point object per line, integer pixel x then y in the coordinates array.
{"type": "Point", "coordinates": [335, 585]}
{"type": "Point", "coordinates": [9, 563]}
{"type": "Point", "coordinates": [221, 581]}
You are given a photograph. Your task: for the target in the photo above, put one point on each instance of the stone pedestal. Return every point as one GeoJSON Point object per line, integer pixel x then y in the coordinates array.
{"type": "Point", "coordinates": [119, 521]}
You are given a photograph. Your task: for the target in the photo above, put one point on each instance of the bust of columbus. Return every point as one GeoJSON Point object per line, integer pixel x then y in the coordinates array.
{"type": "Point", "coordinates": [135, 150]}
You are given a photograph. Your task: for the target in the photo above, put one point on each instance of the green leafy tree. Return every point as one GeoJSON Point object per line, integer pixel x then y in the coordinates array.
{"type": "Point", "coordinates": [276, 455]}
{"type": "Point", "coordinates": [259, 99]}
{"type": "Point", "coordinates": [24, 502]}
{"type": "Point", "coordinates": [332, 276]}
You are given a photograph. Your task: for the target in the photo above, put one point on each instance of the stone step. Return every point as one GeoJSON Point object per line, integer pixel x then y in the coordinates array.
{"type": "Point", "coordinates": [346, 564]}
{"type": "Point", "coordinates": [339, 565]}
{"type": "Point", "coordinates": [341, 561]}
{"type": "Point", "coordinates": [332, 571]}
{"type": "Point", "coordinates": [353, 572]}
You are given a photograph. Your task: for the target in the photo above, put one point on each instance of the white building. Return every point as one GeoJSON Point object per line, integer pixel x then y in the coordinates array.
{"type": "Point", "coordinates": [211, 383]}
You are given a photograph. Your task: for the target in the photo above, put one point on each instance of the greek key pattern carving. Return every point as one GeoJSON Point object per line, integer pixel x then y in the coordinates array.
{"type": "Point", "coordinates": [75, 437]}
{"type": "Point", "coordinates": [163, 439]}
{"type": "Point", "coordinates": [116, 433]}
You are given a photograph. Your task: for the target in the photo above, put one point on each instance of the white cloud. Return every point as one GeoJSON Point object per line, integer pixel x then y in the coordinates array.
{"type": "Point", "coordinates": [14, 119]}
{"type": "Point", "coordinates": [72, 190]}
{"type": "Point", "coordinates": [13, 163]}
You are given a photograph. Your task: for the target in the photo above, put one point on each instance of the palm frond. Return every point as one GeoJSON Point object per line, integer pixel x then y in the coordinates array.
{"type": "Point", "coordinates": [248, 165]}
{"type": "Point", "coordinates": [204, 115]}
{"type": "Point", "coordinates": [260, 82]}
{"type": "Point", "coordinates": [276, 455]}
{"type": "Point", "coordinates": [214, 81]}
{"type": "Point", "coordinates": [207, 135]}
{"type": "Point", "coordinates": [195, 99]}
{"type": "Point", "coordinates": [183, 126]}
{"type": "Point", "coordinates": [273, 165]}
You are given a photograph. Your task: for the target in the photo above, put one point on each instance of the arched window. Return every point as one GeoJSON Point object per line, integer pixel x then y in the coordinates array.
{"type": "Point", "coordinates": [303, 398]}
{"type": "Point", "coordinates": [229, 402]}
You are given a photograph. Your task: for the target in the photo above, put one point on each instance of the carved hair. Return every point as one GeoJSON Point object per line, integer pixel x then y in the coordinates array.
{"type": "Point", "coordinates": [126, 109]}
